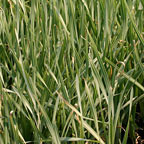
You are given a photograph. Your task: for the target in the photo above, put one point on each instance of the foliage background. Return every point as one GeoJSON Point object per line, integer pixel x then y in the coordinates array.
{"type": "Point", "coordinates": [71, 71]}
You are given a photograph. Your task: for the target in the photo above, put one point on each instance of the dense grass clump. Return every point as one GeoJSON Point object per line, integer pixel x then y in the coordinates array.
{"type": "Point", "coordinates": [71, 71]}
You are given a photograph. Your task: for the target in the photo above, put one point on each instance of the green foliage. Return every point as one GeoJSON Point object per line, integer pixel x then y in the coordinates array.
{"type": "Point", "coordinates": [71, 71]}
